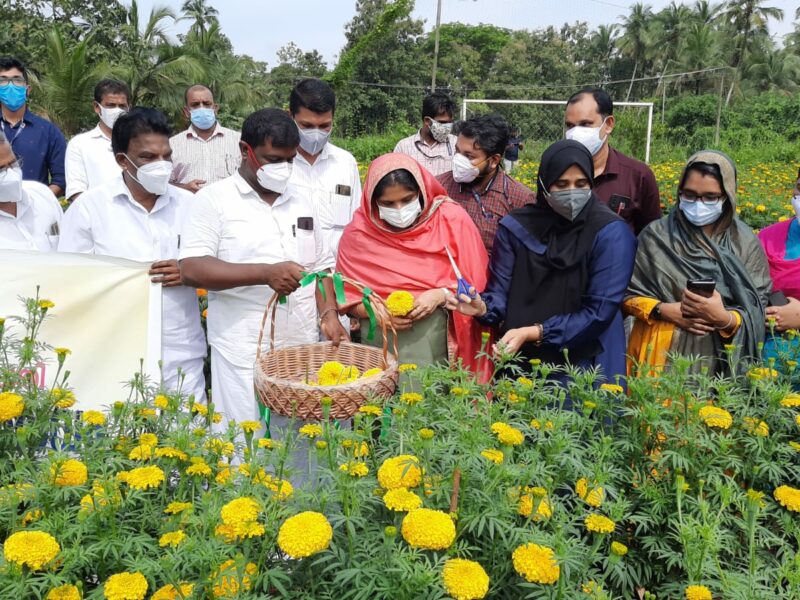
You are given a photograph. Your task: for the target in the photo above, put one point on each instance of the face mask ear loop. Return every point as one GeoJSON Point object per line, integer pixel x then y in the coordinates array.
{"type": "Point", "coordinates": [545, 191]}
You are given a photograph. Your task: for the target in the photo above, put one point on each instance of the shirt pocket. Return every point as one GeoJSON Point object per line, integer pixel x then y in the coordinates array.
{"type": "Point", "coordinates": [341, 213]}
{"type": "Point", "coordinates": [52, 240]}
{"type": "Point", "coordinates": [306, 248]}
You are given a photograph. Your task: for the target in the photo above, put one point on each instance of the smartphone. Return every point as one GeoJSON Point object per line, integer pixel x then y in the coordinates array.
{"type": "Point", "coordinates": [305, 223]}
{"type": "Point", "coordinates": [702, 287]}
{"type": "Point", "coordinates": [618, 203]}
{"type": "Point", "coordinates": [778, 299]}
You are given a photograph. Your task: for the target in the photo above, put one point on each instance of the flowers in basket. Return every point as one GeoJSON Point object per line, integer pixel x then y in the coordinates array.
{"type": "Point", "coordinates": [336, 373]}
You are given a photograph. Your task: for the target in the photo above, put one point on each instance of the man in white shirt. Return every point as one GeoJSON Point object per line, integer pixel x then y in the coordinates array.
{"type": "Point", "coordinates": [89, 160]}
{"type": "Point", "coordinates": [30, 215]}
{"type": "Point", "coordinates": [206, 152]}
{"type": "Point", "coordinates": [433, 146]}
{"type": "Point", "coordinates": [246, 237]}
{"type": "Point", "coordinates": [328, 174]}
{"type": "Point", "coordinates": [137, 215]}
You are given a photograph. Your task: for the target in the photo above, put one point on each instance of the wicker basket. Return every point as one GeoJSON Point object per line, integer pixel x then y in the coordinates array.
{"type": "Point", "coordinates": [279, 375]}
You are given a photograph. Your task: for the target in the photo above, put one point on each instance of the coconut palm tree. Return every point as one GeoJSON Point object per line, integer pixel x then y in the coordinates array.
{"type": "Point", "coordinates": [637, 37]}
{"type": "Point", "coordinates": [706, 12]}
{"type": "Point", "coordinates": [776, 70]}
{"type": "Point", "coordinates": [701, 50]}
{"type": "Point", "coordinates": [200, 13]}
{"type": "Point", "coordinates": [747, 18]}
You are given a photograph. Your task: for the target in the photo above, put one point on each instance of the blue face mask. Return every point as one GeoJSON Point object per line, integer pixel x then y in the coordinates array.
{"type": "Point", "coordinates": [13, 96]}
{"type": "Point", "coordinates": [203, 118]}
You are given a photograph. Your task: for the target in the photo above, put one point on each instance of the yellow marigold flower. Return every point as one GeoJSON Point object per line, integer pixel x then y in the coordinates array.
{"type": "Point", "coordinates": [406, 367]}
{"type": "Point", "coordinates": [245, 530]}
{"type": "Point", "coordinates": [62, 352]}
{"type": "Point", "coordinates": [761, 208]}
{"type": "Point", "coordinates": [170, 452]}
{"type": "Point", "coordinates": [64, 592]}
{"type": "Point", "coordinates": [797, 420]}
{"type": "Point", "coordinates": [714, 416]}
{"type": "Point", "coordinates": [141, 453]}
{"type": "Point", "coordinates": [361, 450]}
{"type": "Point", "coordinates": [401, 500]}
{"type": "Point", "coordinates": [795, 446]}
{"type": "Point", "coordinates": [697, 592]}
{"type": "Point", "coordinates": [426, 433]}
{"type": "Point", "coordinates": [335, 373]}
{"type": "Point", "coordinates": [411, 398]}
{"type": "Point", "coordinates": [599, 524]}
{"type": "Point", "coordinates": [311, 430]}
{"type": "Point", "coordinates": [399, 303]}
{"type": "Point", "coordinates": [93, 417]}
{"type": "Point", "coordinates": [170, 592]}
{"type": "Point", "coordinates": [369, 409]}
{"type": "Point", "coordinates": [789, 401]}
{"type": "Point", "coordinates": [161, 402]}
{"type": "Point", "coordinates": [198, 467]}
{"type": "Point", "coordinates": [45, 304]}
{"type": "Point", "coordinates": [32, 516]}
{"type": "Point", "coordinates": [220, 446]}
{"type": "Point", "coordinates": [175, 508]}
{"type": "Point", "coordinates": [525, 507]}
{"type": "Point", "coordinates": [173, 538]}
{"type": "Point", "coordinates": [612, 387]}
{"type": "Point", "coordinates": [788, 497]}
{"type": "Point", "coordinates": [143, 478]}
{"type": "Point", "coordinates": [32, 549]}
{"type": "Point", "coordinates": [761, 373]}
{"type": "Point", "coordinates": [250, 426]}
{"type": "Point", "coordinates": [465, 579]}
{"type": "Point", "coordinates": [282, 489]}
{"type": "Point", "coordinates": [508, 435]}
{"type": "Point", "coordinates": [11, 406]}
{"type": "Point", "coordinates": [69, 473]}
{"type": "Point", "coordinates": [593, 589]}
{"type": "Point", "coordinates": [756, 497]}
{"type": "Point", "coordinates": [536, 564]}
{"type": "Point", "coordinates": [321, 444]}
{"type": "Point", "coordinates": [593, 497]}
{"type": "Point", "coordinates": [148, 439]}
{"type": "Point", "coordinates": [216, 419]}
{"type": "Point", "coordinates": [228, 582]}
{"type": "Point", "coordinates": [589, 405]}
{"type": "Point", "coordinates": [125, 586]}
{"type": "Point", "coordinates": [305, 534]}
{"type": "Point", "coordinates": [524, 382]}
{"type": "Point", "coordinates": [354, 468]}
{"type": "Point", "coordinates": [200, 409]}
{"type": "Point", "coordinates": [459, 391]}
{"type": "Point", "coordinates": [428, 529]}
{"type": "Point", "coordinates": [147, 413]}
{"type": "Point", "coordinates": [268, 443]}
{"type": "Point", "coordinates": [240, 510]}
{"type": "Point", "coordinates": [619, 549]}
{"type": "Point", "coordinates": [756, 427]}
{"type": "Point", "coordinates": [371, 373]}
{"type": "Point", "coordinates": [64, 398]}
{"type": "Point", "coordinates": [400, 471]}
{"type": "Point", "coordinates": [493, 455]}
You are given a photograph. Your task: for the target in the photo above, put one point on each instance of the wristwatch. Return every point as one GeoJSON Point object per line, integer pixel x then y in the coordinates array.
{"type": "Point", "coordinates": [655, 314]}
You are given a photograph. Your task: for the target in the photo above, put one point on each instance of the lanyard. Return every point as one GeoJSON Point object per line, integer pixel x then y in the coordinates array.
{"type": "Point", "coordinates": [488, 214]}
{"type": "Point", "coordinates": [19, 129]}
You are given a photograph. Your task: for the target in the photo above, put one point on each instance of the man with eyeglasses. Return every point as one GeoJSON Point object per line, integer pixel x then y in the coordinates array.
{"type": "Point", "coordinates": [433, 145]}
{"type": "Point", "coordinates": [37, 141]}
{"type": "Point", "coordinates": [478, 182]}
{"type": "Point", "coordinates": [30, 215]}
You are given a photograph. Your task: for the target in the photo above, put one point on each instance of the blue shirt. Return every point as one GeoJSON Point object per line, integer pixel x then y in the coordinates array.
{"type": "Point", "coordinates": [793, 241]}
{"type": "Point", "coordinates": [610, 269]}
{"type": "Point", "coordinates": [41, 146]}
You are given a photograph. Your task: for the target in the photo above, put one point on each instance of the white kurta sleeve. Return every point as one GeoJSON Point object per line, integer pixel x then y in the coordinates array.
{"type": "Point", "coordinates": [76, 230]}
{"type": "Point", "coordinates": [77, 178]}
{"type": "Point", "coordinates": [201, 229]}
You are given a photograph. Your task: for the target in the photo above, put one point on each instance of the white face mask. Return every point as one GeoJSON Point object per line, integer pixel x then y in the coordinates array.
{"type": "Point", "coordinates": [313, 140]}
{"type": "Point", "coordinates": [154, 176]}
{"type": "Point", "coordinates": [702, 213]}
{"type": "Point", "coordinates": [402, 218]}
{"type": "Point", "coordinates": [274, 177]}
{"type": "Point", "coordinates": [109, 116]}
{"type": "Point", "coordinates": [796, 204]}
{"type": "Point", "coordinates": [11, 185]}
{"type": "Point", "coordinates": [463, 170]}
{"type": "Point", "coordinates": [588, 136]}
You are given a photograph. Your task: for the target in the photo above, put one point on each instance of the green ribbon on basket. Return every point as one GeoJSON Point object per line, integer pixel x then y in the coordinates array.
{"type": "Point", "coordinates": [370, 313]}
{"type": "Point", "coordinates": [338, 284]}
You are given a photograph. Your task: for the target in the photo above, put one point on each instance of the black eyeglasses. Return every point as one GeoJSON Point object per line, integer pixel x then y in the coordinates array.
{"type": "Point", "coordinates": [705, 198]}
{"type": "Point", "coordinates": [16, 80]}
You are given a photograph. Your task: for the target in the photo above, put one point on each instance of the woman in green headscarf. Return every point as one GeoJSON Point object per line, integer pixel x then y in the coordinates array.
{"type": "Point", "coordinates": [702, 239]}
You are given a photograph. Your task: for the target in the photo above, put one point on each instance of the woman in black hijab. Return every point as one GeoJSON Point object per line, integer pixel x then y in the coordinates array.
{"type": "Point", "coordinates": [559, 271]}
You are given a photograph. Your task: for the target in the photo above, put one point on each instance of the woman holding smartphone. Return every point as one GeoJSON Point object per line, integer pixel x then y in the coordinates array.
{"type": "Point", "coordinates": [701, 279]}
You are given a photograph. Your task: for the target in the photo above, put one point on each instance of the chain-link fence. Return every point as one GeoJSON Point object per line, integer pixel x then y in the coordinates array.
{"type": "Point", "coordinates": [541, 122]}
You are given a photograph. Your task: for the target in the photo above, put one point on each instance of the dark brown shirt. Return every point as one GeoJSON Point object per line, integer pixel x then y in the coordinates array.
{"type": "Point", "coordinates": [486, 207]}
{"type": "Point", "coordinates": [629, 188]}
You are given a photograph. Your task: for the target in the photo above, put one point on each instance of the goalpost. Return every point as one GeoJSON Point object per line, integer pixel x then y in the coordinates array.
{"type": "Point", "coordinates": [549, 136]}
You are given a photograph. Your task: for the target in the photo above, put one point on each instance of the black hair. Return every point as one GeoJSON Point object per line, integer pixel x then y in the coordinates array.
{"type": "Point", "coordinates": [9, 62]}
{"type": "Point", "coordinates": [110, 86]}
{"type": "Point", "coordinates": [313, 94]}
{"type": "Point", "coordinates": [400, 177]}
{"type": "Point", "coordinates": [271, 124]}
{"type": "Point", "coordinates": [490, 133]}
{"type": "Point", "coordinates": [192, 87]}
{"type": "Point", "coordinates": [605, 105]}
{"type": "Point", "coordinates": [706, 169]}
{"type": "Point", "coordinates": [139, 120]}
{"type": "Point", "coordinates": [437, 103]}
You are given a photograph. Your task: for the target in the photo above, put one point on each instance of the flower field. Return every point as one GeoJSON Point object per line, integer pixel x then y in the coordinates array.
{"type": "Point", "coordinates": [684, 488]}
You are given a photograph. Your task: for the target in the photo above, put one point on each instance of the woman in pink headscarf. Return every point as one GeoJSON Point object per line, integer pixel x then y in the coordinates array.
{"type": "Point", "coordinates": [397, 241]}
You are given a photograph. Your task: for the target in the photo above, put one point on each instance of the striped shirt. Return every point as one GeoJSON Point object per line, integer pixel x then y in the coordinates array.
{"type": "Point", "coordinates": [213, 159]}
{"type": "Point", "coordinates": [437, 159]}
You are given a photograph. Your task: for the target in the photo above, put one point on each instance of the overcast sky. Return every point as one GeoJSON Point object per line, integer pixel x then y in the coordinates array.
{"type": "Point", "coordinates": [260, 27]}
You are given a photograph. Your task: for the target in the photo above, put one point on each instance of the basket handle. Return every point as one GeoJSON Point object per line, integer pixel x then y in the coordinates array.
{"type": "Point", "coordinates": [373, 298]}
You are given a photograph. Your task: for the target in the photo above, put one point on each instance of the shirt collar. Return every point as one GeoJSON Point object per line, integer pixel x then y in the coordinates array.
{"type": "Point", "coordinates": [120, 192]}
{"type": "Point", "coordinates": [612, 163]}
{"type": "Point", "coordinates": [97, 132]}
{"type": "Point", "coordinates": [323, 155]}
{"type": "Point", "coordinates": [245, 189]}
{"type": "Point", "coordinates": [497, 178]}
{"type": "Point", "coordinates": [27, 117]}
{"type": "Point", "coordinates": [218, 130]}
